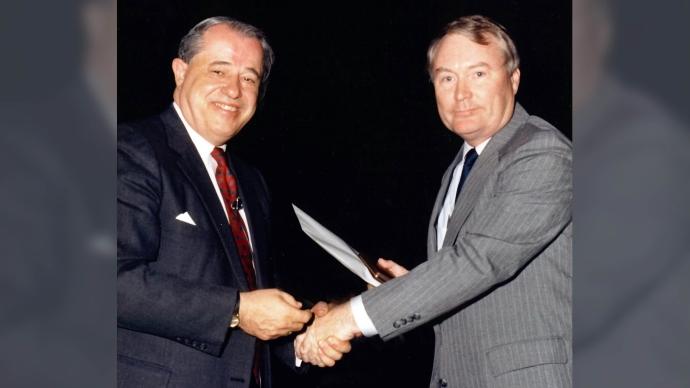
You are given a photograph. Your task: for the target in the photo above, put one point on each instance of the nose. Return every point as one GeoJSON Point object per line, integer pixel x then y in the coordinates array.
{"type": "Point", "coordinates": [462, 91]}
{"type": "Point", "coordinates": [232, 88]}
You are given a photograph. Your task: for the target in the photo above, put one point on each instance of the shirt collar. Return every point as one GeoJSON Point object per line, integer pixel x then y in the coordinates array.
{"type": "Point", "coordinates": [203, 146]}
{"type": "Point", "coordinates": [466, 147]}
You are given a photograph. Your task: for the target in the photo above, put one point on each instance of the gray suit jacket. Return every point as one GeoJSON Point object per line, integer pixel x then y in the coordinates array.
{"type": "Point", "coordinates": [498, 292]}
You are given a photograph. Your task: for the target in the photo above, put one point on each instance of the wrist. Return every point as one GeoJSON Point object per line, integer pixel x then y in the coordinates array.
{"type": "Point", "coordinates": [347, 320]}
{"type": "Point", "coordinates": [235, 319]}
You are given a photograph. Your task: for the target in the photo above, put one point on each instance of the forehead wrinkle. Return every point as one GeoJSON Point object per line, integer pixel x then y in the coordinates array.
{"type": "Point", "coordinates": [222, 63]}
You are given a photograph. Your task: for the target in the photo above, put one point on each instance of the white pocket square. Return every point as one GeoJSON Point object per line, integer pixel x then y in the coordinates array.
{"type": "Point", "coordinates": [185, 217]}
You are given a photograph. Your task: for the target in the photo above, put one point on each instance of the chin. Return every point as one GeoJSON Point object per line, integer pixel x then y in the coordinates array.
{"type": "Point", "coordinates": [464, 127]}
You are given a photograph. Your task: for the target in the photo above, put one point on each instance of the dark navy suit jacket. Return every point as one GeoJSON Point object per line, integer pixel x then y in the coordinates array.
{"type": "Point", "coordinates": [177, 283]}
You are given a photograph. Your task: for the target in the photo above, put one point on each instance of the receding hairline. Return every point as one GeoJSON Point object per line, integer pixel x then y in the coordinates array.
{"type": "Point", "coordinates": [488, 40]}
{"type": "Point", "coordinates": [204, 36]}
{"type": "Point", "coordinates": [488, 37]}
{"type": "Point", "coordinates": [481, 30]}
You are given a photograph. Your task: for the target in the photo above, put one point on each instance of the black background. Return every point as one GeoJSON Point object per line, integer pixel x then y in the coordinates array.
{"type": "Point", "coordinates": [349, 131]}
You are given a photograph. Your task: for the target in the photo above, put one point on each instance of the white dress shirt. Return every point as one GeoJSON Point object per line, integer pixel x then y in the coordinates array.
{"type": "Point", "coordinates": [366, 326]}
{"type": "Point", "coordinates": [204, 148]}
{"type": "Point", "coordinates": [449, 202]}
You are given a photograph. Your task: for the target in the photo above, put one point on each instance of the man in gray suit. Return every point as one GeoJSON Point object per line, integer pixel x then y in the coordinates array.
{"type": "Point", "coordinates": [497, 283]}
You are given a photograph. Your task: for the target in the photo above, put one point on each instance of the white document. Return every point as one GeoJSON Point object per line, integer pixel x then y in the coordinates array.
{"type": "Point", "coordinates": [334, 245]}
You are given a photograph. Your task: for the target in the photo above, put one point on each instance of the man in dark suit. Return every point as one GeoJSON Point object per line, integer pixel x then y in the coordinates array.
{"type": "Point", "coordinates": [194, 272]}
{"type": "Point", "coordinates": [496, 285]}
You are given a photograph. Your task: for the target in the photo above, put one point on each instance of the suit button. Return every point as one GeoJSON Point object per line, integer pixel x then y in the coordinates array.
{"type": "Point", "coordinates": [417, 316]}
{"type": "Point", "coordinates": [403, 321]}
{"type": "Point", "coordinates": [204, 346]}
{"type": "Point", "coordinates": [442, 382]}
{"type": "Point", "coordinates": [396, 324]}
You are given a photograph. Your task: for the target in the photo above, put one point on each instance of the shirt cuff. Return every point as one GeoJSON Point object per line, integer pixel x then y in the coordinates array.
{"type": "Point", "coordinates": [298, 362]}
{"type": "Point", "coordinates": [366, 326]}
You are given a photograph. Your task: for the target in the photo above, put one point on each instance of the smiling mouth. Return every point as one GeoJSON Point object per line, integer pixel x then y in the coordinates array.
{"type": "Point", "coordinates": [227, 108]}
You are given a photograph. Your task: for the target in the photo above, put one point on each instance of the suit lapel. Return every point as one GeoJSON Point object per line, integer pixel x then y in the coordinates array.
{"type": "Point", "coordinates": [483, 168]}
{"type": "Point", "coordinates": [193, 168]}
{"type": "Point", "coordinates": [247, 185]}
{"type": "Point", "coordinates": [486, 163]}
{"type": "Point", "coordinates": [440, 197]}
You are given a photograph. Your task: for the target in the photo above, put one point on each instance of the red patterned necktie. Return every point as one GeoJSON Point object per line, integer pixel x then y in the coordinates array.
{"type": "Point", "coordinates": [228, 190]}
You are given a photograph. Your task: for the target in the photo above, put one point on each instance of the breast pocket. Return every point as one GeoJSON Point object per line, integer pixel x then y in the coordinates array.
{"type": "Point", "coordinates": [189, 251]}
{"type": "Point", "coordinates": [184, 235]}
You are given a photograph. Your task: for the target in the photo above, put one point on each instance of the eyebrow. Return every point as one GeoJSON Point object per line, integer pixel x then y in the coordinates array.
{"type": "Point", "coordinates": [226, 63]}
{"type": "Point", "coordinates": [441, 69]}
{"type": "Point", "coordinates": [473, 66]}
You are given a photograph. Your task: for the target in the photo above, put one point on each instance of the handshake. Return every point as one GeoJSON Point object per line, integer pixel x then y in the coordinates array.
{"type": "Point", "coordinates": [270, 313]}
{"type": "Point", "coordinates": [328, 337]}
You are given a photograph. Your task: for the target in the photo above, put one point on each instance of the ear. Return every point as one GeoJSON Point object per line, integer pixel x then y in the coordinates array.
{"type": "Point", "coordinates": [515, 80]}
{"type": "Point", "coordinates": [179, 68]}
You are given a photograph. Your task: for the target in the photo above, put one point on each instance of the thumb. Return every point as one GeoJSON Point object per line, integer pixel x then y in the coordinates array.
{"type": "Point", "coordinates": [392, 267]}
{"type": "Point", "coordinates": [320, 309]}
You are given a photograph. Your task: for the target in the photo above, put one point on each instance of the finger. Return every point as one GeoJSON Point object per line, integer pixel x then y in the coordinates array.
{"type": "Point", "coordinates": [313, 346]}
{"type": "Point", "coordinates": [301, 316]}
{"type": "Point", "coordinates": [304, 351]}
{"type": "Point", "coordinates": [324, 358]}
{"type": "Point", "coordinates": [293, 327]}
{"type": "Point", "coordinates": [385, 263]}
{"type": "Point", "coordinates": [325, 361]}
{"type": "Point", "coordinates": [391, 267]}
{"type": "Point", "coordinates": [309, 353]}
{"type": "Point", "coordinates": [304, 355]}
{"type": "Point", "coordinates": [340, 346]}
{"type": "Point", "coordinates": [296, 345]}
{"type": "Point", "coordinates": [320, 309]}
{"type": "Point", "coordinates": [290, 300]}
{"type": "Point", "coordinates": [329, 351]}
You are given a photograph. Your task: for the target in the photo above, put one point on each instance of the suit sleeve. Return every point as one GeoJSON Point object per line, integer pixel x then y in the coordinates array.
{"type": "Point", "coordinates": [149, 300]}
{"type": "Point", "coordinates": [528, 209]}
{"type": "Point", "coordinates": [284, 350]}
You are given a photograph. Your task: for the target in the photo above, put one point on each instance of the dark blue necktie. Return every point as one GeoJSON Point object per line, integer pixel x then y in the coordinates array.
{"type": "Point", "coordinates": [470, 158]}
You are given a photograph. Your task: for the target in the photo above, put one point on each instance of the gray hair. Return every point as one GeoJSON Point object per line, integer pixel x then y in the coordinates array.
{"type": "Point", "coordinates": [478, 29]}
{"type": "Point", "coordinates": [191, 42]}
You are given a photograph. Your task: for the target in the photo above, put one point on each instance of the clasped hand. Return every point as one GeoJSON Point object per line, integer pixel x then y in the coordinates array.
{"type": "Point", "coordinates": [270, 313]}
{"type": "Point", "coordinates": [328, 338]}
